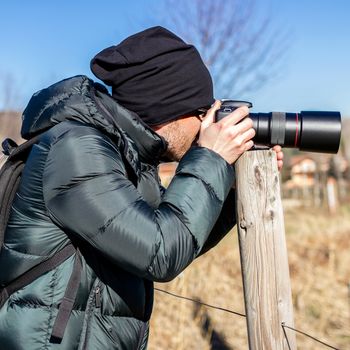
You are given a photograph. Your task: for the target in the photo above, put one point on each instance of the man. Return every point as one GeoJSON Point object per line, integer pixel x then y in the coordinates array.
{"type": "Point", "coordinates": [91, 181]}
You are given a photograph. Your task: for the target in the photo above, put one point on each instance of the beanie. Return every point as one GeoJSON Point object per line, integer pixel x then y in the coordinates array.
{"type": "Point", "coordinates": [155, 74]}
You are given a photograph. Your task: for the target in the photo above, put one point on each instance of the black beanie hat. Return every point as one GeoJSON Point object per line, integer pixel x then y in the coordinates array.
{"type": "Point", "coordinates": [155, 74]}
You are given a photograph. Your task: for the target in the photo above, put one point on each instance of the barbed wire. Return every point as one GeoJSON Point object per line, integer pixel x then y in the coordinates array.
{"type": "Point", "coordinates": [307, 335]}
{"type": "Point", "coordinates": [285, 335]}
{"type": "Point", "coordinates": [243, 315]}
{"type": "Point", "coordinates": [201, 303]}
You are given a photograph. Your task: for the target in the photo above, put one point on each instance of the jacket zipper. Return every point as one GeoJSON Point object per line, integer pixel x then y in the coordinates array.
{"type": "Point", "coordinates": [144, 329]}
{"type": "Point", "coordinates": [95, 296]}
{"type": "Point", "coordinates": [98, 296]}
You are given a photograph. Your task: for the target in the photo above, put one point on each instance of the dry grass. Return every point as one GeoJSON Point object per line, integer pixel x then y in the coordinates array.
{"type": "Point", "coordinates": [318, 249]}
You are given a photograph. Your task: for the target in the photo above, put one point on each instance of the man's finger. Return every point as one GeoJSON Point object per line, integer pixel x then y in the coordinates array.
{"type": "Point", "coordinates": [248, 145]}
{"type": "Point", "coordinates": [243, 126]}
{"type": "Point", "coordinates": [247, 135]}
{"type": "Point", "coordinates": [236, 116]}
{"type": "Point", "coordinates": [277, 148]}
{"type": "Point", "coordinates": [280, 164]}
{"type": "Point", "coordinates": [210, 115]}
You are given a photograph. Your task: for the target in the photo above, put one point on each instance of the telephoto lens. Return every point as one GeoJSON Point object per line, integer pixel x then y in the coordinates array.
{"type": "Point", "coordinates": [308, 130]}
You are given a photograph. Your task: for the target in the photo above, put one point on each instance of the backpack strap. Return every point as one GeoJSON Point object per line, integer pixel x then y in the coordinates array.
{"type": "Point", "coordinates": [67, 303]}
{"type": "Point", "coordinates": [12, 150]}
{"type": "Point", "coordinates": [66, 306]}
{"type": "Point", "coordinates": [10, 175]}
{"type": "Point", "coordinates": [35, 272]}
{"type": "Point", "coordinates": [8, 146]}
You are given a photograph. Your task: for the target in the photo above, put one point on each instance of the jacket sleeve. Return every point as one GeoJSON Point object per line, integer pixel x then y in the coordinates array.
{"type": "Point", "coordinates": [88, 194]}
{"type": "Point", "coordinates": [224, 224]}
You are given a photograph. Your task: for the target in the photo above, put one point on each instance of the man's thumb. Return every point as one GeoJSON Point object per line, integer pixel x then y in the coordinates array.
{"type": "Point", "coordinates": [210, 116]}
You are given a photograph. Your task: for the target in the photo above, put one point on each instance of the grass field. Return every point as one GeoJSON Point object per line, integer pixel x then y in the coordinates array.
{"type": "Point", "coordinates": [319, 260]}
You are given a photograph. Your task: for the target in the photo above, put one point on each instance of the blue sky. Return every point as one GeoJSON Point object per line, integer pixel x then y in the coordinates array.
{"type": "Point", "coordinates": [45, 41]}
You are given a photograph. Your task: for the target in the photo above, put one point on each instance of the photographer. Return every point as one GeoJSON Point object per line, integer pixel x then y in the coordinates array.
{"type": "Point", "coordinates": [91, 180]}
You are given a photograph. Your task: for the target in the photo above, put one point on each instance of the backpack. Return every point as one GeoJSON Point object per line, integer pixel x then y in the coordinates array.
{"type": "Point", "coordinates": [10, 177]}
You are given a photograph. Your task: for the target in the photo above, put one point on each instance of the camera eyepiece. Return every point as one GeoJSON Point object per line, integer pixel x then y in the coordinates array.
{"type": "Point", "coordinates": [308, 130]}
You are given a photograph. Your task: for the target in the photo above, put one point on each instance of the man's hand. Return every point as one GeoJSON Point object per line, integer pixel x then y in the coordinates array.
{"type": "Point", "coordinates": [231, 136]}
{"type": "Point", "coordinates": [279, 154]}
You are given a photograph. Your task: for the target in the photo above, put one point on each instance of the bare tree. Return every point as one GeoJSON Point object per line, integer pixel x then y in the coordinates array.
{"type": "Point", "coordinates": [10, 119]}
{"type": "Point", "coordinates": [9, 93]}
{"type": "Point", "coordinates": [236, 40]}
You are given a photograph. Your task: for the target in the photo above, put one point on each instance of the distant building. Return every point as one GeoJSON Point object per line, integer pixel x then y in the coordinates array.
{"type": "Point", "coordinates": [302, 172]}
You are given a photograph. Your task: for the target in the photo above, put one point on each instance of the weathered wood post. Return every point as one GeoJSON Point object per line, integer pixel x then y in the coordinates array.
{"type": "Point", "coordinates": [267, 290]}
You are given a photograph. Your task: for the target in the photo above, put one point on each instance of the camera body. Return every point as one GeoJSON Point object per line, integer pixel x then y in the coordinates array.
{"type": "Point", "coordinates": [313, 131]}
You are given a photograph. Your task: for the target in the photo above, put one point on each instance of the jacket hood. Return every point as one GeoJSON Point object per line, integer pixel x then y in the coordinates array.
{"type": "Point", "coordinates": [80, 99]}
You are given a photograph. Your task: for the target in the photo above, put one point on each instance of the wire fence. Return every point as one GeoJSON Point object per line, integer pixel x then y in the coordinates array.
{"type": "Point", "coordinates": [283, 325]}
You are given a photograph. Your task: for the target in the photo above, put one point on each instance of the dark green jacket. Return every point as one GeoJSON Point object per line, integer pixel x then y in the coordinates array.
{"type": "Point", "coordinates": [92, 179]}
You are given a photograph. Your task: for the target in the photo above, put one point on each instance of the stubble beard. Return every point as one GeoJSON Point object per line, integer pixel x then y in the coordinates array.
{"type": "Point", "coordinates": [178, 142]}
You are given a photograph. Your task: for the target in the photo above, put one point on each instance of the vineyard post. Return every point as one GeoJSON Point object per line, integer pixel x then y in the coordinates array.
{"type": "Point", "coordinates": [264, 261]}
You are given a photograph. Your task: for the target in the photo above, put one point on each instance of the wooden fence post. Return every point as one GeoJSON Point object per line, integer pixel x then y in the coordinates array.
{"type": "Point", "coordinates": [264, 261]}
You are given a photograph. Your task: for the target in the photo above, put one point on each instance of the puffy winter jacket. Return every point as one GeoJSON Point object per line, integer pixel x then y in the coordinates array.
{"type": "Point", "coordinates": [92, 180]}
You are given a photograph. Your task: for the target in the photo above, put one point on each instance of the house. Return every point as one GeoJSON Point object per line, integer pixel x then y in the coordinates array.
{"type": "Point", "coordinates": [302, 171]}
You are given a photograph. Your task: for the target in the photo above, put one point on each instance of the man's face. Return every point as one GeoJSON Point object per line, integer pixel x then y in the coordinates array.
{"type": "Point", "coordinates": [180, 134]}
